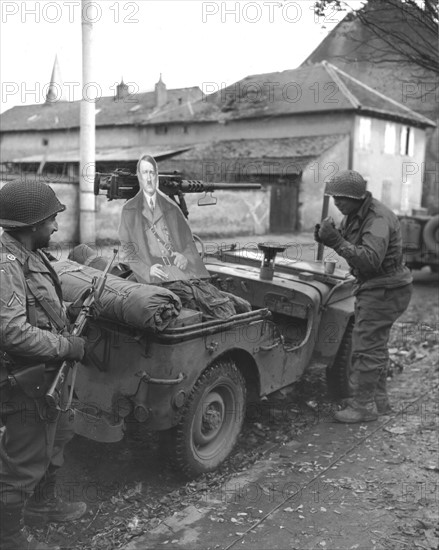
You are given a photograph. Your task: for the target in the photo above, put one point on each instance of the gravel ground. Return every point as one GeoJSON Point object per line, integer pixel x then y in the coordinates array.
{"type": "Point", "coordinates": [129, 487]}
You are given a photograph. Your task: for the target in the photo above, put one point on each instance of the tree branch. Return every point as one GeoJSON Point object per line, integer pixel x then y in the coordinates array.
{"type": "Point", "coordinates": [403, 31]}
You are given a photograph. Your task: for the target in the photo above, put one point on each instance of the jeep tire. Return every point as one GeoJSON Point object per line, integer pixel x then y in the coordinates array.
{"type": "Point", "coordinates": [430, 234]}
{"type": "Point", "coordinates": [211, 421]}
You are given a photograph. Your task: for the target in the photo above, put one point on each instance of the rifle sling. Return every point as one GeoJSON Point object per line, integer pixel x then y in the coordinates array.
{"type": "Point", "coordinates": [53, 315]}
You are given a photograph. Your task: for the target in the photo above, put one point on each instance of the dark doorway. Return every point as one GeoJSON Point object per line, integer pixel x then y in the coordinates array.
{"type": "Point", "coordinates": [284, 205]}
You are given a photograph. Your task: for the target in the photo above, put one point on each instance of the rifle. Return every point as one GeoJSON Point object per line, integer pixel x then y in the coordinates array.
{"type": "Point", "coordinates": [54, 394]}
{"type": "Point", "coordinates": [121, 184]}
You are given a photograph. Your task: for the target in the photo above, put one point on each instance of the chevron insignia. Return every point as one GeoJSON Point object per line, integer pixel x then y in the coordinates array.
{"type": "Point", "coordinates": [13, 298]}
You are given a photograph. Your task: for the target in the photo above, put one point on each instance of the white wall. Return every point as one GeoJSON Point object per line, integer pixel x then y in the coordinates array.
{"type": "Point", "coordinates": [313, 183]}
{"type": "Point", "coordinates": [391, 175]}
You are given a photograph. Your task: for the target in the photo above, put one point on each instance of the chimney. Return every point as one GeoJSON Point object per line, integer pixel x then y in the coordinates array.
{"type": "Point", "coordinates": [160, 93]}
{"type": "Point", "coordinates": [122, 91]}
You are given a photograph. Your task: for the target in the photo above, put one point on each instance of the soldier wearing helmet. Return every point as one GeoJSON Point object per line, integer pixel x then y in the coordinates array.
{"type": "Point", "coordinates": [33, 322]}
{"type": "Point", "coordinates": [369, 238]}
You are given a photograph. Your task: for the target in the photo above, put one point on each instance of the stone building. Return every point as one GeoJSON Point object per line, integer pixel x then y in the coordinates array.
{"type": "Point", "coordinates": [287, 130]}
{"type": "Point", "coordinates": [355, 48]}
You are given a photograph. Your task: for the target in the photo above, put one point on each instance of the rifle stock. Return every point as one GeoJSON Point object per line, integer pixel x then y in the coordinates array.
{"type": "Point", "coordinates": [54, 394]}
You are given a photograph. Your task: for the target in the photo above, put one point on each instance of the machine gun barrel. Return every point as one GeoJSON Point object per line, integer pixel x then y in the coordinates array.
{"type": "Point", "coordinates": [121, 184]}
{"type": "Point", "coordinates": [167, 184]}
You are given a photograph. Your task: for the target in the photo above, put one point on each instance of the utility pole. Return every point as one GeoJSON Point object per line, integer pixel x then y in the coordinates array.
{"type": "Point", "coordinates": [87, 134]}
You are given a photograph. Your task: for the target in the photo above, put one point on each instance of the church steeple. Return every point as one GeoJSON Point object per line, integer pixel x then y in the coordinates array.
{"type": "Point", "coordinates": [55, 91]}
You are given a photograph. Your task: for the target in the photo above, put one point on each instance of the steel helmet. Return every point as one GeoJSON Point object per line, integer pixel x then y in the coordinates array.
{"type": "Point", "coordinates": [346, 183]}
{"type": "Point", "coordinates": [26, 203]}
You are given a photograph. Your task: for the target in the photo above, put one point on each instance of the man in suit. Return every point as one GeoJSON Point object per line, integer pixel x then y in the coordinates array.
{"type": "Point", "coordinates": [156, 239]}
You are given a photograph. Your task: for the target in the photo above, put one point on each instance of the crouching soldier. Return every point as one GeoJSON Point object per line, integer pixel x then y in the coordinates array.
{"type": "Point", "coordinates": [32, 333]}
{"type": "Point", "coordinates": [369, 239]}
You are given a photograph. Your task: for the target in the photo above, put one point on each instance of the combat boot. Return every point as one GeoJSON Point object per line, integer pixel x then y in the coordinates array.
{"type": "Point", "coordinates": [45, 506]}
{"type": "Point", "coordinates": [12, 537]}
{"type": "Point", "coordinates": [361, 407]}
{"type": "Point", "coordinates": [381, 397]}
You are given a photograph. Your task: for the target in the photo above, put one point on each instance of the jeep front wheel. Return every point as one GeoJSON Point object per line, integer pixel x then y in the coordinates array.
{"type": "Point", "coordinates": [211, 420]}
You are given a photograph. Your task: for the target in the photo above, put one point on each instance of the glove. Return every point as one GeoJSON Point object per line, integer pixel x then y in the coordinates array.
{"type": "Point", "coordinates": [328, 234]}
{"type": "Point", "coordinates": [74, 309]}
{"type": "Point", "coordinates": [77, 349]}
{"type": "Point", "coordinates": [316, 233]}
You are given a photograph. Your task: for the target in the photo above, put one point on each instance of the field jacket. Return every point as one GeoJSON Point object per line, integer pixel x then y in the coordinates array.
{"type": "Point", "coordinates": [372, 246]}
{"type": "Point", "coordinates": [27, 334]}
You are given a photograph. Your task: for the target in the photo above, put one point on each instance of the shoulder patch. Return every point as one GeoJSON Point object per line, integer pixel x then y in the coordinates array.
{"type": "Point", "coordinates": [10, 257]}
{"type": "Point", "coordinates": [14, 298]}
{"type": "Point", "coordinates": [380, 228]}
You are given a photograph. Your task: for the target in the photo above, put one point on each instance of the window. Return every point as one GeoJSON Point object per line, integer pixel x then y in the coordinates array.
{"type": "Point", "coordinates": [407, 142]}
{"type": "Point", "coordinates": [364, 133]}
{"type": "Point", "coordinates": [161, 130]}
{"type": "Point", "coordinates": [185, 129]}
{"type": "Point", "coordinates": [45, 142]}
{"type": "Point", "coordinates": [390, 138]}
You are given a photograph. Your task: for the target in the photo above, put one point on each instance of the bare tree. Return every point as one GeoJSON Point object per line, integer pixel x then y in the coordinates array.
{"type": "Point", "coordinates": [399, 31]}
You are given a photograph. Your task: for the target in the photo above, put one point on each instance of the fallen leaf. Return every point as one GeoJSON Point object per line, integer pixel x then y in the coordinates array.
{"type": "Point", "coordinates": [396, 430]}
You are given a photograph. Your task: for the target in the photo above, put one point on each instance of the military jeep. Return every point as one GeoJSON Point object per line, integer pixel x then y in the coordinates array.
{"type": "Point", "coordinates": [192, 381]}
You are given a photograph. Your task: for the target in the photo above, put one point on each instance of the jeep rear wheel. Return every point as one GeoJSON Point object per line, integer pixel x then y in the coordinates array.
{"type": "Point", "coordinates": [430, 234]}
{"type": "Point", "coordinates": [339, 374]}
{"type": "Point", "coordinates": [211, 421]}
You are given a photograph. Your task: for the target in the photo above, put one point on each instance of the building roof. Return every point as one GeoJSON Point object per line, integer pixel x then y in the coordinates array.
{"type": "Point", "coordinates": [134, 109]}
{"type": "Point", "coordinates": [310, 89]}
{"type": "Point", "coordinates": [273, 148]}
{"type": "Point", "coordinates": [355, 48]}
{"type": "Point", "coordinates": [110, 154]}
{"type": "Point", "coordinates": [301, 149]}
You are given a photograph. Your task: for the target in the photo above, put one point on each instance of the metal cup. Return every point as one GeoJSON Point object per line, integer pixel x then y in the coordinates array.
{"type": "Point", "coordinates": [329, 266]}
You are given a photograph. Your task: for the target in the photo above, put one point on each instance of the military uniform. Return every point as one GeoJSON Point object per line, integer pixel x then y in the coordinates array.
{"type": "Point", "coordinates": [370, 240]}
{"type": "Point", "coordinates": [35, 438]}
{"type": "Point", "coordinates": [373, 250]}
{"type": "Point", "coordinates": [33, 344]}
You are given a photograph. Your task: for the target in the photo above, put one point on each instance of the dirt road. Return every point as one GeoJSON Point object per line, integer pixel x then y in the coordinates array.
{"type": "Point", "coordinates": [296, 479]}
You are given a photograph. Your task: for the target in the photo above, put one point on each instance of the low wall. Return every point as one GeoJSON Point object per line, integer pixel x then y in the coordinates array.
{"type": "Point", "coordinates": [235, 213]}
